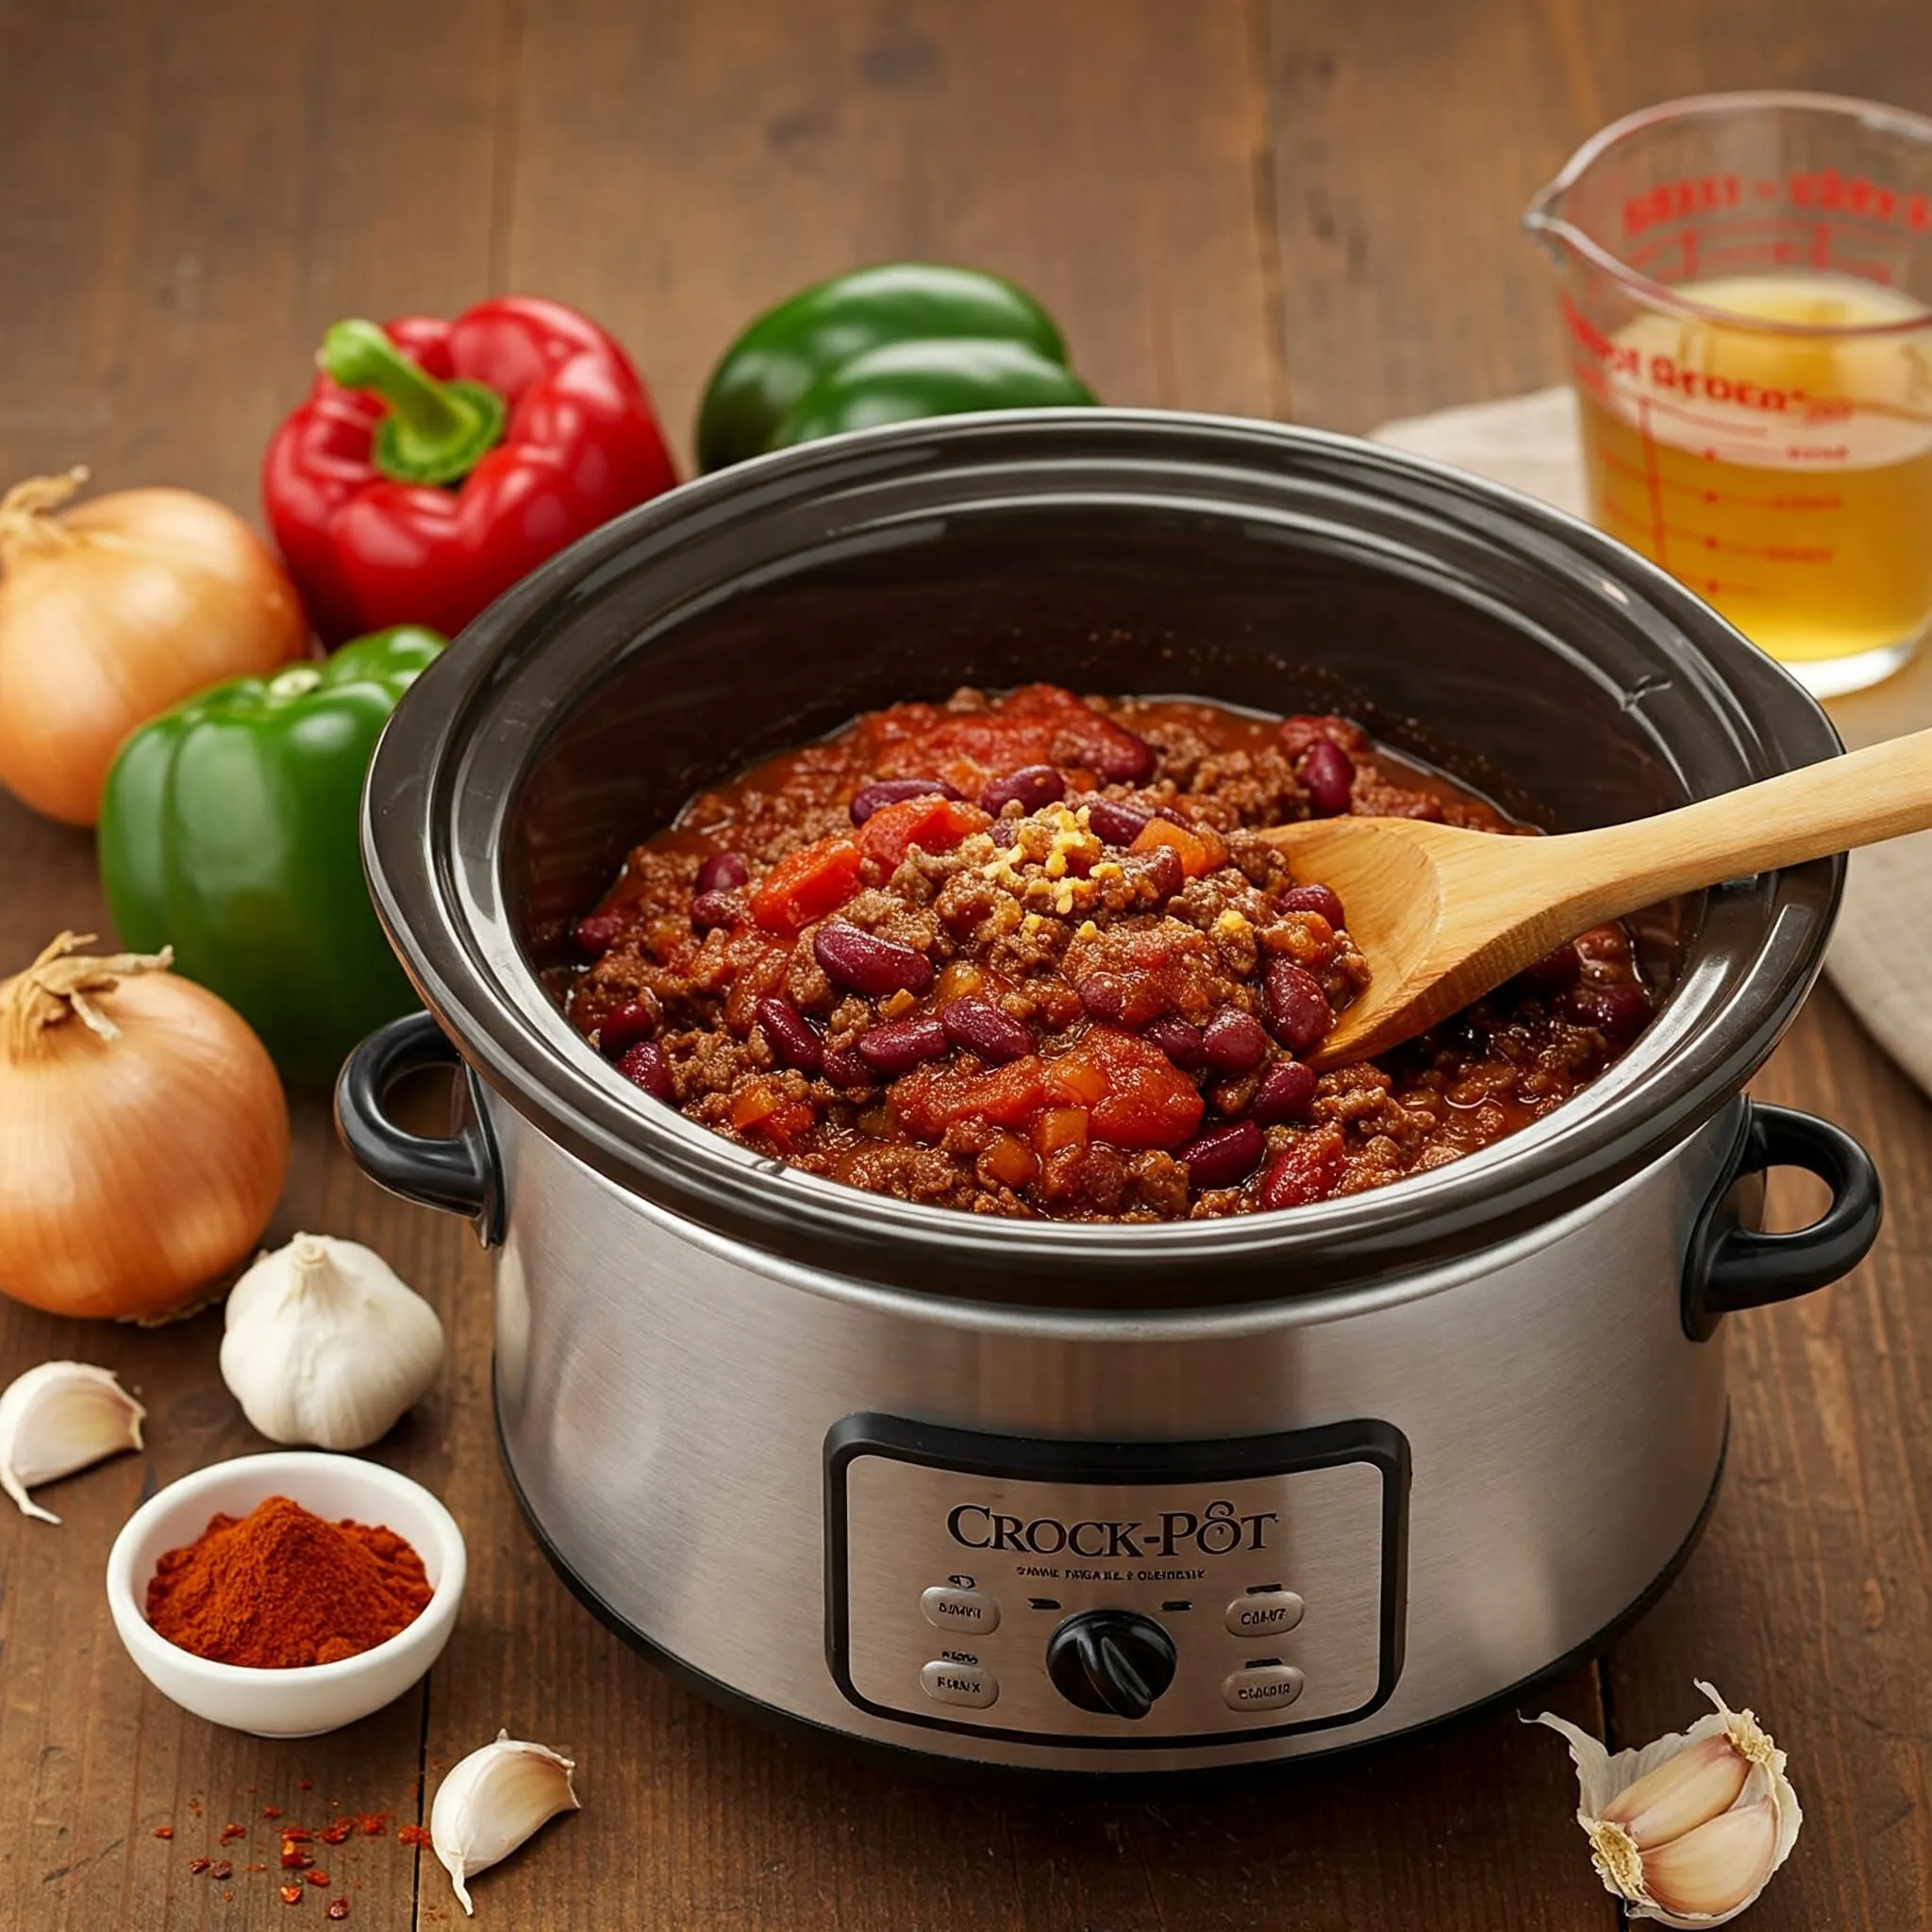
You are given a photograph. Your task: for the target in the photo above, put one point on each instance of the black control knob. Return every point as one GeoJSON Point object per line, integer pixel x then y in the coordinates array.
{"type": "Point", "coordinates": [1110, 1661]}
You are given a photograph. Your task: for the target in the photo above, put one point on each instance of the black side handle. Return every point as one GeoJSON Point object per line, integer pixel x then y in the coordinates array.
{"type": "Point", "coordinates": [459, 1174]}
{"type": "Point", "coordinates": [1730, 1266]}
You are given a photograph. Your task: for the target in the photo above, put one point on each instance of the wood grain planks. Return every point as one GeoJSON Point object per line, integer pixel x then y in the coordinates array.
{"type": "Point", "coordinates": [1251, 206]}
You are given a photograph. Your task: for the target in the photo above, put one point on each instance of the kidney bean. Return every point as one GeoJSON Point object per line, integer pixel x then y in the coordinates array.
{"type": "Point", "coordinates": [1122, 759]}
{"type": "Point", "coordinates": [1104, 994]}
{"type": "Point", "coordinates": [1286, 1094]}
{"type": "Point", "coordinates": [793, 1038]}
{"type": "Point", "coordinates": [1163, 871]}
{"type": "Point", "coordinates": [724, 872]}
{"type": "Point", "coordinates": [1320, 899]}
{"type": "Point", "coordinates": [845, 1068]}
{"type": "Point", "coordinates": [1179, 1040]}
{"type": "Point", "coordinates": [1233, 1041]}
{"type": "Point", "coordinates": [629, 1023]}
{"type": "Point", "coordinates": [1554, 973]}
{"type": "Point", "coordinates": [1223, 1154]}
{"type": "Point", "coordinates": [1620, 1012]}
{"type": "Point", "coordinates": [1030, 787]}
{"type": "Point", "coordinates": [644, 1064]}
{"type": "Point", "coordinates": [596, 934]}
{"type": "Point", "coordinates": [710, 910]}
{"type": "Point", "coordinates": [892, 790]}
{"type": "Point", "coordinates": [867, 963]}
{"type": "Point", "coordinates": [1113, 821]}
{"type": "Point", "coordinates": [1328, 776]}
{"type": "Point", "coordinates": [1298, 1013]}
{"type": "Point", "coordinates": [901, 1045]}
{"type": "Point", "coordinates": [1303, 1175]}
{"type": "Point", "coordinates": [980, 1028]}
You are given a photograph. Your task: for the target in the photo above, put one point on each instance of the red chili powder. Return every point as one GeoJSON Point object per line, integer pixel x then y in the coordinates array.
{"type": "Point", "coordinates": [281, 1588]}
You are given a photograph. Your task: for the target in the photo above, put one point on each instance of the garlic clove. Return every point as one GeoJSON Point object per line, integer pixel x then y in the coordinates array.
{"type": "Point", "coordinates": [1699, 1782]}
{"type": "Point", "coordinates": [323, 1343]}
{"type": "Point", "coordinates": [493, 1801]}
{"type": "Point", "coordinates": [1718, 1867]}
{"type": "Point", "coordinates": [59, 1417]}
{"type": "Point", "coordinates": [1665, 1836]}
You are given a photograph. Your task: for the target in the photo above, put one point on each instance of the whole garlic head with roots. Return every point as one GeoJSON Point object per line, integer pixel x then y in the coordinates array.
{"type": "Point", "coordinates": [325, 1345]}
{"type": "Point", "coordinates": [1688, 1830]}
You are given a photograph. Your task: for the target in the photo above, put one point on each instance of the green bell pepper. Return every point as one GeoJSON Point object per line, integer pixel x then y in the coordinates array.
{"type": "Point", "coordinates": [883, 345]}
{"type": "Point", "coordinates": [229, 830]}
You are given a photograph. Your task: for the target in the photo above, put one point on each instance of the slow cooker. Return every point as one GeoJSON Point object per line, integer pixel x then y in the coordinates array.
{"type": "Point", "coordinates": [1077, 1497]}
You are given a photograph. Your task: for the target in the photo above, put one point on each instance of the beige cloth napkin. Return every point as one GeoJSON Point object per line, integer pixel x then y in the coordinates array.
{"type": "Point", "coordinates": [1881, 955]}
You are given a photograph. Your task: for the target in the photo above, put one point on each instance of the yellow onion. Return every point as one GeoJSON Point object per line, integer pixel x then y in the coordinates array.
{"type": "Point", "coordinates": [144, 1136]}
{"type": "Point", "coordinates": [112, 613]}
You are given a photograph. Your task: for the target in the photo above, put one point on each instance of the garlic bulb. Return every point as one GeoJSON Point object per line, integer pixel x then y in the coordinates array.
{"type": "Point", "coordinates": [491, 1801]}
{"type": "Point", "coordinates": [1688, 1830]}
{"type": "Point", "coordinates": [57, 1419]}
{"type": "Point", "coordinates": [323, 1345]}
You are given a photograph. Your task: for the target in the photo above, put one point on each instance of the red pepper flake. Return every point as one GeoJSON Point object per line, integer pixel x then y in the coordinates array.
{"type": "Point", "coordinates": [291, 1894]}
{"type": "Point", "coordinates": [294, 1835]}
{"type": "Point", "coordinates": [199, 1865]}
{"type": "Point", "coordinates": [295, 1859]}
{"type": "Point", "coordinates": [305, 1784]}
{"type": "Point", "coordinates": [255, 1867]}
{"type": "Point", "coordinates": [230, 1832]}
{"type": "Point", "coordinates": [317, 1877]}
{"type": "Point", "coordinates": [221, 1869]}
{"type": "Point", "coordinates": [339, 1908]}
{"type": "Point", "coordinates": [164, 1831]}
{"type": "Point", "coordinates": [271, 1810]}
{"type": "Point", "coordinates": [372, 1824]}
{"type": "Point", "coordinates": [334, 1834]}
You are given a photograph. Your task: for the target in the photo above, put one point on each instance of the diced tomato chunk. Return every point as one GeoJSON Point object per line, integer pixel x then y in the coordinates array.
{"type": "Point", "coordinates": [1145, 1099]}
{"type": "Point", "coordinates": [1200, 848]}
{"type": "Point", "coordinates": [930, 1099]}
{"type": "Point", "coordinates": [933, 824]}
{"type": "Point", "coordinates": [1009, 1161]}
{"type": "Point", "coordinates": [1059, 1126]}
{"type": "Point", "coordinates": [765, 1108]}
{"type": "Point", "coordinates": [807, 885]}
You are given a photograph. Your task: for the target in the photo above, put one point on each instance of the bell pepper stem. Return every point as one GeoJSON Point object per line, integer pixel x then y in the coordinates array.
{"type": "Point", "coordinates": [432, 432]}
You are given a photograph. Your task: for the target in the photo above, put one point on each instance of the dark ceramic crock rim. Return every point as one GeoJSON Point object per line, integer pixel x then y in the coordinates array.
{"type": "Point", "coordinates": [436, 803]}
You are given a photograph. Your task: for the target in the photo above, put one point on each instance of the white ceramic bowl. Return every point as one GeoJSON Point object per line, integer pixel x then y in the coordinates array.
{"type": "Point", "coordinates": [319, 1697]}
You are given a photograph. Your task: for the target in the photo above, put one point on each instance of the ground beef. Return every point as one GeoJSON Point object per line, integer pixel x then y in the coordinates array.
{"type": "Point", "coordinates": [1027, 955]}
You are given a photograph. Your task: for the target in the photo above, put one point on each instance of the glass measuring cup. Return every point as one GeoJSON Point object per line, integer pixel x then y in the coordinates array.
{"type": "Point", "coordinates": [1748, 305]}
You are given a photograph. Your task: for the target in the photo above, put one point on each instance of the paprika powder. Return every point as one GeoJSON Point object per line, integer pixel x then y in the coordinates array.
{"type": "Point", "coordinates": [282, 1587]}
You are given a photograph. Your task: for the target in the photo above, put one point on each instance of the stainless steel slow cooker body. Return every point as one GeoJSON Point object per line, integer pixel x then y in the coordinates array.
{"type": "Point", "coordinates": [1078, 1498]}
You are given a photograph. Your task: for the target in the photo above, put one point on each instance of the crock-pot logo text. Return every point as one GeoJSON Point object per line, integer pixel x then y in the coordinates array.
{"type": "Point", "coordinates": [1219, 1530]}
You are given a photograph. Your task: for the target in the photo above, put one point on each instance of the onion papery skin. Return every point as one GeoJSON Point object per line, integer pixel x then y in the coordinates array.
{"type": "Point", "coordinates": [159, 594]}
{"type": "Point", "coordinates": [136, 1173]}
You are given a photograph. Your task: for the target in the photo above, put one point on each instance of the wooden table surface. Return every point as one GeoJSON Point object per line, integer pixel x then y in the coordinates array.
{"type": "Point", "coordinates": [1305, 209]}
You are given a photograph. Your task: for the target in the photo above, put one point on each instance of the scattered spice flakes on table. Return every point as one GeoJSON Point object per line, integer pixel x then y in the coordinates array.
{"type": "Point", "coordinates": [164, 1831]}
{"type": "Point", "coordinates": [199, 1866]}
{"type": "Point", "coordinates": [339, 1908]}
{"type": "Point", "coordinates": [415, 1836]}
{"type": "Point", "coordinates": [335, 1833]}
{"type": "Point", "coordinates": [222, 1869]}
{"type": "Point", "coordinates": [316, 1877]}
{"type": "Point", "coordinates": [231, 1832]}
{"type": "Point", "coordinates": [291, 1894]}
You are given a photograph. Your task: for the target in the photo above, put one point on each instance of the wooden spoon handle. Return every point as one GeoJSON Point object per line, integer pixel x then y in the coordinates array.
{"type": "Point", "coordinates": [1879, 792]}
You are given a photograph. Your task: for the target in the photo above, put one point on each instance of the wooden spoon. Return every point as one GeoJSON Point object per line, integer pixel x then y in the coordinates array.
{"type": "Point", "coordinates": [1445, 916]}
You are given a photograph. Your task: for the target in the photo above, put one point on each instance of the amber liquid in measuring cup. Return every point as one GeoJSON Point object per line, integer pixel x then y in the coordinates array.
{"type": "Point", "coordinates": [1787, 480]}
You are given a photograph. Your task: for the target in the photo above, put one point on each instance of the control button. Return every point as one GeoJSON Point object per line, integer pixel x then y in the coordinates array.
{"type": "Point", "coordinates": [1264, 1613]}
{"type": "Point", "coordinates": [971, 1684]}
{"type": "Point", "coordinates": [1112, 1662]}
{"type": "Point", "coordinates": [1261, 1686]}
{"type": "Point", "coordinates": [959, 1609]}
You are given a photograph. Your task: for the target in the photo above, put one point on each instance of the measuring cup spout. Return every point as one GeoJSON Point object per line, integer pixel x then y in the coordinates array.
{"type": "Point", "coordinates": [1543, 220]}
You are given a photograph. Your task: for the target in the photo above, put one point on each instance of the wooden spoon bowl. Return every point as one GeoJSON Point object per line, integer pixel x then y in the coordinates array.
{"type": "Point", "coordinates": [1443, 916]}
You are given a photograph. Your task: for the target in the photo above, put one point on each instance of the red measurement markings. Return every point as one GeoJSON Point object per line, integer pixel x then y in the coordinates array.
{"type": "Point", "coordinates": [1721, 547]}
{"type": "Point", "coordinates": [1651, 479]}
{"type": "Point", "coordinates": [1610, 460]}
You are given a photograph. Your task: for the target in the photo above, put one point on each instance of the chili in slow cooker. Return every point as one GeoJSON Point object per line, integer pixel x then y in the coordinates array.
{"type": "Point", "coordinates": [1027, 955]}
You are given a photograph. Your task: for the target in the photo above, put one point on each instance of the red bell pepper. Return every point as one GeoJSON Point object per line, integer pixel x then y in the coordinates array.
{"type": "Point", "coordinates": [436, 462]}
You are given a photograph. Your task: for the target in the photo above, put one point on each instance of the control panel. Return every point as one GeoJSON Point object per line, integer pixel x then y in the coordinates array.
{"type": "Point", "coordinates": [1116, 1594]}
